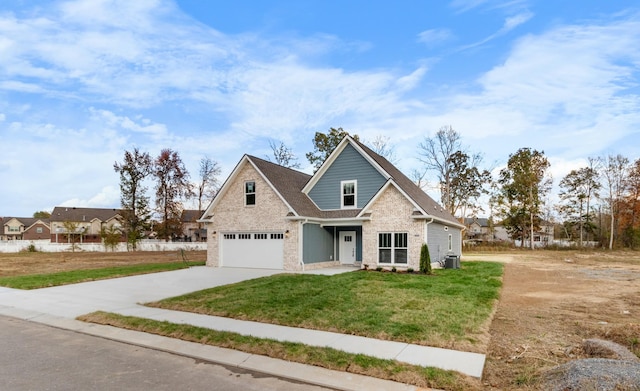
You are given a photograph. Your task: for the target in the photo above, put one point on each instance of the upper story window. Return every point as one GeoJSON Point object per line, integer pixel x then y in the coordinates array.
{"type": "Point", "coordinates": [349, 194]}
{"type": "Point", "coordinates": [250, 193]}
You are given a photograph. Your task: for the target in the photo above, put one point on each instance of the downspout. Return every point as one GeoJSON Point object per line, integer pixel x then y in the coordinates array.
{"type": "Point", "coordinates": [301, 242]}
{"type": "Point", "coordinates": [426, 234]}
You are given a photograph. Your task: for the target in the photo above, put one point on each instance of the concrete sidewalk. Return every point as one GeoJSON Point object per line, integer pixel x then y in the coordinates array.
{"type": "Point", "coordinates": [59, 306]}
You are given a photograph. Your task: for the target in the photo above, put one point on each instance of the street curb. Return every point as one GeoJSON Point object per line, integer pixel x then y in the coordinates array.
{"type": "Point", "coordinates": [338, 380]}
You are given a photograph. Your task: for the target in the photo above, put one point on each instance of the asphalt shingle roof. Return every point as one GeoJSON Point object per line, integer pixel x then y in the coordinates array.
{"type": "Point", "coordinates": [289, 183]}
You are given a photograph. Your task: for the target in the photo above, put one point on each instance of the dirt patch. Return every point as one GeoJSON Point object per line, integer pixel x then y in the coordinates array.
{"type": "Point", "coordinates": [17, 264]}
{"type": "Point", "coordinates": [550, 302]}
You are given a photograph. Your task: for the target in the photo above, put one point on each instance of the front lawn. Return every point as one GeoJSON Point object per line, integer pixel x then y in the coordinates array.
{"type": "Point", "coordinates": [450, 308]}
{"type": "Point", "coordinates": [36, 281]}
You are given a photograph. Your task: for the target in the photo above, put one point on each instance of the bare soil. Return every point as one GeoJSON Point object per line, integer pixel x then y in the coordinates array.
{"type": "Point", "coordinates": [550, 302]}
{"type": "Point", "coordinates": [26, 263]}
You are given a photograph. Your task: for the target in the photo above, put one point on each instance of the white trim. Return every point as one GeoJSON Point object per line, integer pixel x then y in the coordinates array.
{"type": "Point", "coordinates": [244, 190]}
{"type": "Point", "coordinates": [231, 179]}
{"type": "Point", "coordinates": [355, 194]}
{"type": "Point", "coordinates": [390, 182]}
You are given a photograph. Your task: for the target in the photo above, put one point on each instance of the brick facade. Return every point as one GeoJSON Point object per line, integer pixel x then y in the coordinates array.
{"type": "Point", "coordinates": [391, 212]}
{"type": "Point", "coordinates": [267, 215]}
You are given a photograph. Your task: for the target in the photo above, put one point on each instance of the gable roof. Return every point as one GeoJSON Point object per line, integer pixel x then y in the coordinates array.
{"type": "Point", "coordinates": [292, 186]}
{"type": "Point", "coordinates": [429, 207]}
{"type": "Point", "coordinates": [64, 213]}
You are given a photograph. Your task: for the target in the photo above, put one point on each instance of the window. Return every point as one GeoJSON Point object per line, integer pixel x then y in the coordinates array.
{"type": "Point", "coordinates": [349, 194]}
{"type": "Point", "coordinates": [14, 229]}
{"type": "Point", "coordinates": [244, 236]}
{"type": "Point", "coordinates": [450, 242]}
{"type": "Point", "coordinates": [230, 236]}
{"type": "Point", "coordinates": [259, 236]}
{"type": "Point", "coordinates": [277, 236]}
{"type": "Point", "coordinates": [392, 247]}
{"type": "Point", "coordinates": [39, 230]}
{"type": "Point", "coordinates": [250, 193]}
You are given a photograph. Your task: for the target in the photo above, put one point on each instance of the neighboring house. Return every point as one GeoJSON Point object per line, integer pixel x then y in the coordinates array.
{"type": "Point", "coordinates": [357, 208]}
{"type": "Point", "coordinates": [477, 229]}
{"type": "Point", "coordinates": [24, 228]}
{"type": "Point", "coordinates": [541, 237]}
{"type": "Point", "coordinates": [193, 230]}
{"type": "Point", "coordinates": [87, 223]}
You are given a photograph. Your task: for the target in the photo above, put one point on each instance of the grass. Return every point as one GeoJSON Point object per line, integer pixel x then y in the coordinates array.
{"type": "Point", "coordinates": [448, 309]}
{"type": "Point", "coordinates": [36, 281]}
{"type": "Point", "coordinates": [296, 352]}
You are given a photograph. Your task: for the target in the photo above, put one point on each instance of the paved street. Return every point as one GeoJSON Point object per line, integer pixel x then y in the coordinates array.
{"type": "Point", "coordinates": [39, 357]}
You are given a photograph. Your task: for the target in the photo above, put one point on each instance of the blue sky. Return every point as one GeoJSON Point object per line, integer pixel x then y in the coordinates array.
{"type": "Point", "coordinates": [83, 81]}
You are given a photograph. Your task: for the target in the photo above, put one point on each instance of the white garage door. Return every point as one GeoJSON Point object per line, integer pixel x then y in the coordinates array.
{"type": "Point", "coordinates": [262, 250]}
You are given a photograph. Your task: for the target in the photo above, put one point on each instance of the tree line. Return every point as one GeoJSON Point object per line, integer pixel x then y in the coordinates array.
{"type": "Point", "coordinates": [599, 202]}
{"type": "Point", "coordinates": [172, 186]}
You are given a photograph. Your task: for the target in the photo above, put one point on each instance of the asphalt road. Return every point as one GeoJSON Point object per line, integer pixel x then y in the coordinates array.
{"type": "Point", "coordinates": [39, 357]}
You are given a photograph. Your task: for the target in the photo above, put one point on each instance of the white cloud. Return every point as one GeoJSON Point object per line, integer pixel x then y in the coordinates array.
{"type": "Point", "coordinates": [435, 37]}
{"type": "Point", "coordinates": [510, 23]}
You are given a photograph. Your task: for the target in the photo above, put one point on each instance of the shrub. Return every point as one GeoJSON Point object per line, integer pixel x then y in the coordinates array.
{"type": "Point", "coordinates": [379, 269]}
{"type": "Point", "coordinates": [425, 259]}
{"type": "Point", "coordinates": [30, 248]}
{"type": "Point", "coordinates": [410, 270]}
{"type": "Point", "coordinates": [393, 269]}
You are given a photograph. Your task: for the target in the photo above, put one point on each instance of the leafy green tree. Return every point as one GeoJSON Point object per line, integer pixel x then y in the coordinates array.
{"type": "Point", "coordinates": [110, 236]}
{"type": "Point", "coordinates": [520, 197]}
{"type": "Point", "coordinates": [172, 185]}
{"type": "Point", "coordinates": [136, 214]}
{"type": "Point", "coordinates": [42, 214]}
{"type": "Point", "coordinates": [467, 183]}
{"type": "Point", "coordinates": [74, 233]}
{"type": "Point", "coordinates": [461, 182]}
{"type": "Point", "coordinates": [577, 190]}
{"type": "Point", "coordinates": [324, 144]}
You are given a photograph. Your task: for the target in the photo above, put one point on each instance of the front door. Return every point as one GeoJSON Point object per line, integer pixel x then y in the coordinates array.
{"type": "Point", "coordinates": [347, 247]}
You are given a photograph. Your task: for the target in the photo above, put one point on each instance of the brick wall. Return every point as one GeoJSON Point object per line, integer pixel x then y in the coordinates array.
{"type": "Point", "coordinates": [268, 214]}
{"type": "Point", "coordinates": [392, 212]}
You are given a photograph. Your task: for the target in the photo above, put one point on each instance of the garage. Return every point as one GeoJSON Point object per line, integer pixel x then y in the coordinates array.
{"type": "Point", "coordinates": [260, 250]}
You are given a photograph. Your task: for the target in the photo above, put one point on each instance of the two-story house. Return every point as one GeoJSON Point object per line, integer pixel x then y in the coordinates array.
{"type": "Point", "coordinates": [82, 225]}
{"type": "Point", "coordinates": [24, 228]}
{"type": "Point", "coordinates": [357, 208]}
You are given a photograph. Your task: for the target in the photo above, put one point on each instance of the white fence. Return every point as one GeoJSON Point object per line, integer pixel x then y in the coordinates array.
{"type": "Point", "coordinates": [14, 246]}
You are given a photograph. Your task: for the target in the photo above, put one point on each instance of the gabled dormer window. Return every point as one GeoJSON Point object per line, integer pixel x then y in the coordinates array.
{"type": "Point", "coordinates": [250, 193]}
{"type": "Point", "coordinates": [349, 194]}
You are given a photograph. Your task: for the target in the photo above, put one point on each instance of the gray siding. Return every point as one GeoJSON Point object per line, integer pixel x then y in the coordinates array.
{"type": "Point", "coordinates": [349, 165]}
{"type": "Point", "coordinates": [317, 244]}
{"type": "Point", "coordinates": [438, 241]}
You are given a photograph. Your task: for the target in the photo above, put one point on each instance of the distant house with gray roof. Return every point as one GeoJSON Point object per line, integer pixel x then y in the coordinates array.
{"type": "Point", "coordinates": [85, 224]}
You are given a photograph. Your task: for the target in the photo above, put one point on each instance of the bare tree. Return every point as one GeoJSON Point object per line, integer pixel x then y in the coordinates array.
{"type": "Point", "coordinates": [283, 155]}
{"type": "Point", "coordinates": [578, 188]}
{"type": "Point", "coordinates": [614, 170]}
{"type": "Point", "coordinates": [208, 186]}
{"type": "Point", "coordinates": [381, 146]}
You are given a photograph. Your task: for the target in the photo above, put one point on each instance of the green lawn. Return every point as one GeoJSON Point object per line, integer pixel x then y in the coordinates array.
{"type": "Point", "coordinates": [296, 352]}
{"type": "Point", "coordinates": [438, 310]}
{"type": "Point", "coordinates": [36, 281]}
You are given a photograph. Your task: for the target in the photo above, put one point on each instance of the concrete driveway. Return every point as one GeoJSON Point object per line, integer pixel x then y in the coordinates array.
{"type": "Point", "coordinates": [115, 294]}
